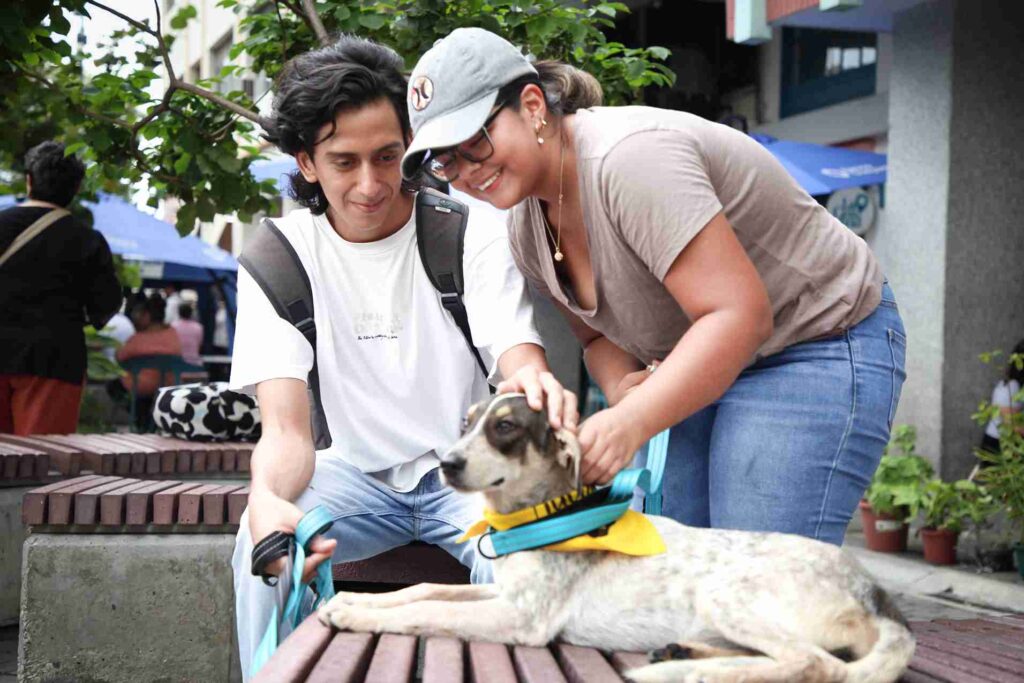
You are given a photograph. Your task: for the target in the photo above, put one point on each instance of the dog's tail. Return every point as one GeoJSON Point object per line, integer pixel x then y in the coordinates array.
{"type": "Point", "coordinates": [890, 654]}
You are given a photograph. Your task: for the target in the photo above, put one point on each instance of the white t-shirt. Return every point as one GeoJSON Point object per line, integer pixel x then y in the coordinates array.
{"type": "Point", "coordinates": [1002, 397]}
{"type": "Point", "coordinates": [396, 376]}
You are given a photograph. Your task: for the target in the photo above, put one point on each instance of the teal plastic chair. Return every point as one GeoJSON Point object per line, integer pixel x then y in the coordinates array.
{"type": "Point", "coordinates": [165, 364]}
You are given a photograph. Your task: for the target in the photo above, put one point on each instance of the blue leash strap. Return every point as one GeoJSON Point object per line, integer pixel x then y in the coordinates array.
{"type": "Point", "coordinates": [561, 527]}
{"type": "Point", "coordinates": [657, 452]}
{"type": "Point", "coordinates": [312, 524]}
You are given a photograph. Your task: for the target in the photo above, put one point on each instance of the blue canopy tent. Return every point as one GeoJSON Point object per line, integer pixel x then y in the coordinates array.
{"type": "Point", "coordinates": [822, 170]}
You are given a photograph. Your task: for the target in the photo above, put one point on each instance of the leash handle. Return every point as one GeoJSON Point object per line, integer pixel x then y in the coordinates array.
{"type": "Point", "coordinates": [312, 524]}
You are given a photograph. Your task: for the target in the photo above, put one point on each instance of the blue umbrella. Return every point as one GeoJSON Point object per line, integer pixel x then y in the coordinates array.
{"type": "Point", "coordinates": [138, 236]}
{"type": "Point", "coordinates": [823, 170]}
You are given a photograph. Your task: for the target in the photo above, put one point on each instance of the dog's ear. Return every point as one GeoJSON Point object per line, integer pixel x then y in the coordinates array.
{"type": "Point", "coordinates": [568, 453]}
{"type": "Point", "coordinates": [540, 430]}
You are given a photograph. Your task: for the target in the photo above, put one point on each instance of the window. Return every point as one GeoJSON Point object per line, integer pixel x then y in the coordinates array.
{"type": "Point", "coordinates": [821, 68]}
{"type": "Point", "coordinates": [219, 58]}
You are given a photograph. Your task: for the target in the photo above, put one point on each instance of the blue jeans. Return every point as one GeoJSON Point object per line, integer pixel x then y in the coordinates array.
{"type": "Point", "coordinates": [369, 519]}
{"type": "Point", "coordinates": [792, 445]}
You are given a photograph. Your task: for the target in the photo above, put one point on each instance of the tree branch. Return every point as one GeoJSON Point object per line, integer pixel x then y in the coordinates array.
{"type": "Point", "coordinates": [134, 22]}
{"type": "Point", "coordinates": [313, 19]}
{"type": "Point", "coordinates": [222, 101]}
{"type": "Point", "coordinates": [162, 46]}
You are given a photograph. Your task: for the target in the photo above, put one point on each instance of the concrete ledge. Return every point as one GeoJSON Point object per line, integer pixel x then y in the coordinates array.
{"type": "Point", "coordinates": [127, 608]}
{"type": "Point", "coordinates": [12, 535]}
{"type": "Point", "coordinates": [901, 574]}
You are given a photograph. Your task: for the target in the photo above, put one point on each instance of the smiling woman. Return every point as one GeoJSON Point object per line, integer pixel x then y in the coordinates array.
{"type": "Point", "coordinates": [667, 239]}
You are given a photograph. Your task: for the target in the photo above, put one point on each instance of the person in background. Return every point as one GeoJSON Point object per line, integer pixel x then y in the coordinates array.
{"type": "Point", "coordinates": [52, 283]}
{"type": "Point", "coordinates": [120, 328]}
{"type": "Point", "coordinates": [153, 337]}
{"type": "Point", "coordinates": [172, 296]}
{"type": "Point", "coordinates": [1005, 397]}
{"type": "Point", "coordinates": [190, 332]}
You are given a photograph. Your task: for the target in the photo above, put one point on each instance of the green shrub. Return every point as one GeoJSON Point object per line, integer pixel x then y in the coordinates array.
{"type": "Point", "coordinates": [898, 485]}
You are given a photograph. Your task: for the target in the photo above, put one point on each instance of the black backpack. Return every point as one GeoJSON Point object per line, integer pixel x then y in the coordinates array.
{"type": "Point", "coordinates": [272, 262]}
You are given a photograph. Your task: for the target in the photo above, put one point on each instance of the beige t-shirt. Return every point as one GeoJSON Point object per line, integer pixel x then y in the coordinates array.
{"type": "Point", "coordinates": [650, 180]}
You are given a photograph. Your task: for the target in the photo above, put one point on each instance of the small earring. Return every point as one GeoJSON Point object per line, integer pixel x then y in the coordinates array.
{"type": "Point", "coordinates": [540, 140]}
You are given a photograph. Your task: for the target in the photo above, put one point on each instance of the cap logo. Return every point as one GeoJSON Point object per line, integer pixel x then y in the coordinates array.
{"type": "Point", "coordinates": [421, 94]}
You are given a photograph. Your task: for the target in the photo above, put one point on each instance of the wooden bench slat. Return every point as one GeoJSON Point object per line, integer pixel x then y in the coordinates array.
{"type": "Point", "coordinates": [911, 676]}
{"type": "Point", "coordinates": [536, 665]}
{"type": "Point", "coordinates": [66, 459]}
{"type": "Point", "coordinates": [297, 655]}
{"type": "Point", "coordinates": [113, 504]}
{"type": "Point", "coordinates": [140, 501]}
{"type": "Point", "coordinates": [973, 640]}
{"type": "Point", "coordinates": [237, 501]}
{"type": "Point", "coordinates": [190, 503]}
{"type": "Point", "coordinates": [345, 660]}
{"type": "Point", "coordinates": [121, 458]}
{"type": "Point", "coordinates": [135, 454]}
{"type": "Point", "coordinates": [944, 665]}
{"type": "Point", "coordinates": [10, 465]}
{"type": "Point", "coordinates": [967, 652]}
{"type": "Point", "coordinates": [33, 503]}
{"type": "Point", "coordinates": [993, 632]}
{"type": "Point", "coordinates": [585, 665]}
{"type": "Point", "coordinates": [32, 461]}
{"type": "Point", "coordinates": [60, 501]}
{"type": "Point", "coordinates": [100, 461]}
{"type": "Point", "coordinates": [393, 660]}
{"type": "Point", "coordinates": [149, 460]}
{"type": "Point", "coordinates": [442, 660]}
{"type": "Point", "coordinates": [215, 503]}
{"type": "Point", "coordinates": [491, 663]}
{"type": "Point", "coordinates": [624, 661]}
{"type": "Point", "coordinates": [87, 500]}
{"type": "Point", "coordinates": [165, 503]}
{"type": "Point", "coordinates": [173, 459]}
{"type": "Point", "coordinates": [244, 457]}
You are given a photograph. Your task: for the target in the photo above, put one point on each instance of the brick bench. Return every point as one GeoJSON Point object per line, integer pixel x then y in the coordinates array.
{"type": "Point", "coordinates": [147, 455]}
{"type": "Point", "coordinates": [976, 650]}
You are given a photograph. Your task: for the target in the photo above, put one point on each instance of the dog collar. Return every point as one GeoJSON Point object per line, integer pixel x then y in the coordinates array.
{"type": "Point", "coordinates": [592, 519]}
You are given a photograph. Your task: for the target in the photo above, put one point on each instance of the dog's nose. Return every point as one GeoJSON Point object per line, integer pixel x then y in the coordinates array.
{"type": "Point", "coordinates": [453, 466]}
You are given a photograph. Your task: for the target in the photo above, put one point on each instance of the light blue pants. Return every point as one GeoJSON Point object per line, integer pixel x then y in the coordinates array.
{"type": "Point", "coordinates": [792, 445]}
{"type": "Point", "coordinates": [369, 519]}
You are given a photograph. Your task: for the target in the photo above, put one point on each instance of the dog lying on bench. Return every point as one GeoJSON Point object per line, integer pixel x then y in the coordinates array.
{"type": "Point", "coordinates": [735, 605]}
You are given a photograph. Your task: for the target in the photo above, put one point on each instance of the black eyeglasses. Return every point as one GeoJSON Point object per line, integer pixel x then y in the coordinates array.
{"type": "Point", "coordinates": [443, 164]}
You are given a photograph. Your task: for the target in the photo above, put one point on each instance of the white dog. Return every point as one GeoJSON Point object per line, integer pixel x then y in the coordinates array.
{"type": "Point", "coordinates": [740, 606]}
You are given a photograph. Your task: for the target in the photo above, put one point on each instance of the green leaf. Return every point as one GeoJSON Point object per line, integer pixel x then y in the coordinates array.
{"type": "Point", "coordinates": [73, 147]}
{"type": "Point", "coordinates": [659, 52]}
{"type": "Point", "coordinates": [184, 15]}
{"type": "Point", "coordinates": [342, 12]}
{"type": "Point", "coordinates": [372, 21]}
{"type": "Point", "coordinates": [181, 165]}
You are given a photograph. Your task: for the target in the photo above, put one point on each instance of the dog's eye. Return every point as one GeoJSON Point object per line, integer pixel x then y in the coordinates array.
{"type": "Point", "coordinates": [504, 426]}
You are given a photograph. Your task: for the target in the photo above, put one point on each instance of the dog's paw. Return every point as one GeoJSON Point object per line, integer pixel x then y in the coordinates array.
{"type": "Point", "coordinates": [669, 652]}
{"type": "Point", "coordinates": [336, 612]}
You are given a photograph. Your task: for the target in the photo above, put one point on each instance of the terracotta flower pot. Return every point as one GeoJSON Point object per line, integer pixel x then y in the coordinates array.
{"type": "Point", "coordinates": [883, 533]}
{"type": "Point", "coordinates": [939, 545]}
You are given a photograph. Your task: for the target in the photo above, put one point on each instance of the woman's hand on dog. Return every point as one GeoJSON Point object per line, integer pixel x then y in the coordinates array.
{"type": "Point", "coordinates": [268, 513]}
{"type": "Point", "coordinates": [541, 388]}
{"type": "Point", "coordinates": [608, 442]}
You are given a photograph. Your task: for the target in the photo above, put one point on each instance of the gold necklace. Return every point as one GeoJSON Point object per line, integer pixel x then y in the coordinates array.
{"type": "Point", "coordinates": [557, 241]}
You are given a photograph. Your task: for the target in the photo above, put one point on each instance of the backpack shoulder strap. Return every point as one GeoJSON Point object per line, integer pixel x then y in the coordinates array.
{"type": "Point", "coordinates": [271, 260]}
{"type": "Point", "coordinates": [440, 236]}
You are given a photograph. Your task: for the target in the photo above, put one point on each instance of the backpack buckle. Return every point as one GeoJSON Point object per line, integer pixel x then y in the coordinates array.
{"type": "Point", "coordinates": [305, 326]}
{"type": "Point", "coordinates": [449, 299]}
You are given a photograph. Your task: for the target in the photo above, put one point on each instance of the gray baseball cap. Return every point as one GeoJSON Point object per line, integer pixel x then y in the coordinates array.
{"type": "Point", "coordinates": [454, 86]}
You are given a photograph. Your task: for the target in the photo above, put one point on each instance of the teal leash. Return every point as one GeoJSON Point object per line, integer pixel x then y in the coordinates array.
{"type": "Point", "coordinates": [312, 524]}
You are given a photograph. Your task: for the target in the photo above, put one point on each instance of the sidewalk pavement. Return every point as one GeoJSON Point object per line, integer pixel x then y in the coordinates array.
{"type": "Point", "coordinates": [927, 591]}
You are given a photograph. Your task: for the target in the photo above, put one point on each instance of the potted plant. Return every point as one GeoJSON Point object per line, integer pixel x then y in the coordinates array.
{"type": "Point", "coordinates": [1003, 477]}
{"type": "Point", "coordinates": [895, 494]}
{"type": "Point", "coordinates": [946, 506]}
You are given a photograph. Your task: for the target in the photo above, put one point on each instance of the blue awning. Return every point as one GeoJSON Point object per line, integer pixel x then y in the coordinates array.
{"type": "Point", "coordinates": [823, 170]}
{"type": "Point", "coordinates": [137, 236]}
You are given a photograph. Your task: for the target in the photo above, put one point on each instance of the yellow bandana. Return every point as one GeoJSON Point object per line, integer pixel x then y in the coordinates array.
{"type": "Point", "coordinates": [631, 534]}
